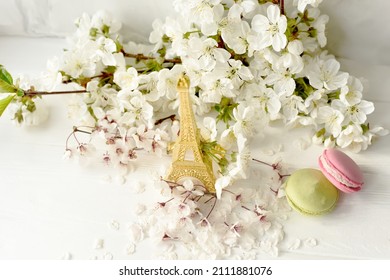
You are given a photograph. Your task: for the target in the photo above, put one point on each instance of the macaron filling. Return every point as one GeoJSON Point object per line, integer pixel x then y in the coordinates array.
{"type": "Point", "coordinates": [337, 175]}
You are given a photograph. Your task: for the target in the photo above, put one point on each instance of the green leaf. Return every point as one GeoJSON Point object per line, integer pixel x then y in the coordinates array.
{"type": "Point", "coordinates": [5, 102]}
{"type": "Point", "coordinates": [154, 65]}
{"type": "Point", "coordinates": [90, 111]}
{"type": "Point", "coordinates": [5, 75]}
{"type": "Point", "coordinates": [6, 87]}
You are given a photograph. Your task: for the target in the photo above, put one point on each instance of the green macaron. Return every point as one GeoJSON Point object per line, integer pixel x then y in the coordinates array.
{"type": "Point", "coordinates": [310, 193]}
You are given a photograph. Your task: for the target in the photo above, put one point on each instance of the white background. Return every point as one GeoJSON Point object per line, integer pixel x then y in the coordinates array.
{"type": "Point", "coordinates": [53, 209]}
{"type": "Point", "coordinates": [358, 29]}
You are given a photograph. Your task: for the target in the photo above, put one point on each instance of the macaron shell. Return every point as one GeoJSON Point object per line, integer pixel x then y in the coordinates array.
{"type": "Point", "coordinates": [307, 212]}
{"type": "Point", "coordinates": [309, 192]}
{"type": "Point", "coordinates": [337, 183]}
{"type": "Point", "coordinates": [345, 167]}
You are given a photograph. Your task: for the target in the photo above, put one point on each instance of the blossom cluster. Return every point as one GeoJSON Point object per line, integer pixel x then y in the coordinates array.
{"type": "Point", "coordinates": [249, 62]}
{"type": "Point", "coordinates": [187, 223]}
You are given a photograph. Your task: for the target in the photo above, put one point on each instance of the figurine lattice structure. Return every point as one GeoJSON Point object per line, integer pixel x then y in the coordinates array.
{"type": "Point", "coordinates": [187, 158]}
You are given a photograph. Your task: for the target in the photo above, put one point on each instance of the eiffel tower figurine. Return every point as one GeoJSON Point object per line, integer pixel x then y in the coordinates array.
{"type": "Point", "coordinates": [187, 158]}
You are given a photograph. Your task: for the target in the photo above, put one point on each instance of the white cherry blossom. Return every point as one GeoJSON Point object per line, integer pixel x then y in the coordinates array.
{"type": "Point", "coordinates": [331, 118]}
{"type": "Point", "coordinates": [316, 100]}
{"type": "Point", "coordinates": [210, 28]}
{"type": "Point", "coordinates": [175, 29]}
{"type": "Point", "coordinates": [200, 10]}
{"type": "Point", "coordinates": [242, 7]}
{"type": "Point", "coordinates": [143, 137]}
{"type": "Point", "coordinates": [351, 134]}
{"type": "Point", "coordinates": [167, 82]}
{"type": "Point", "coordinates": [221, 183]}
{"type": "Point", "coordinates": [356, 113]}
{"type": "Point", "coordinates": [235, 35]}
{"type": "Point", "coordinates": [155, 36]}
{"type": "Point", "coordinates": [227, 138]}
{"type": "Point", "coordinates": [319, 24]}
{"type": "Point", "coordinates": [373, 133]}
{"type": "Point", "coordinates": [241, 165]}
{"type": "Point", "coordinates": [81, 61]}
{"type": "Point", "coordinates": [209, 129]}
{"type": "Point", "coordinates": [103, 19]}
{"type": "Point", "coordinates": [127, 79]}
{"type": "Point", "coordinates": [267, 99]}
{"type": "Point", "coordinates": [147, 85]}
{"type": "Point", "coordinates": [106, 50]}
{"type": "Point", "coordinates": [207, 52]}
{"type": "Point", "coordinates": [193, 70]}
{"type": "Point", "coordinates": [351, 93]}
{"type": "Point", "coordinates": [282, 80]}
{"type": "Point", "coordinates": [29, 118]}
{"type": "Point", "coordinates": [245, 117]}
{"type": "Point", "coordinates": [325, 74]}
{"type": "Point", "coordinates": [214, 87]}
{"type": "Point", "coordinates": [238, 71]}
{"type": "Point", "coordinates": [270, 30]}
{"type": "Point", "coordinates": [291, 107]}
{"type": "Point", "coordinates": [303, 3]}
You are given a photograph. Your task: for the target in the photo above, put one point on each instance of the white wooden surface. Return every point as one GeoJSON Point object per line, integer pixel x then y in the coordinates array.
{"type": "Point", "coordinates": [53, 209]}
{"type": "Point", "coordinates": [362, 24]}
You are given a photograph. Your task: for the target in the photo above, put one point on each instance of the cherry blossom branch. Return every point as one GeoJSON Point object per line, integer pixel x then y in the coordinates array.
{"type": "Point", "coordinates": [31, 93]}
{"type": "Point", "coordinates": [275, 167]}
{"type": "Point", "coordinates": [141, 56]}
{"type": "Point", "coordinates": [225, 190]}
{"type": "Point", "coordinates": [162, 204]}
{"type": "Point", "coordinates": [185, 199]}
{"type": "Point", "coordinates": [73, 133]}
{"type": "Point", "coordinates": [82, 131]}
{"type": "Point", "coordinates": [212, 207]}
{"type": "Point", "coordinates": [174, 184]}
{"type": "Point", "coordinates": [262, 217]}
{"type": "Point", "coordinates": [281, 3]}
{"type": "Point", "coordinates": [171, 117]}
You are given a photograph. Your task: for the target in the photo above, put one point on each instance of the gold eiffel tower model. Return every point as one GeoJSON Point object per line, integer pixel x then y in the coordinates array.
{"type": "Point", "coordinates": [187, 158]}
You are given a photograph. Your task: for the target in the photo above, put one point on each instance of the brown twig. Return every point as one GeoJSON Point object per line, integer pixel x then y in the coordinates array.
{"type": "Point", "coordinates": [212, 207]}
{"type": "Point", "coordinates": [162, 204]}
{"type": "Point", "coordinates": [141, 56]}
{"type": "Point", "coordinates": [281, 3]}
{"type": "Point", "coordinates": [274, 166]}
{"type": "Point", "coordinates": [82, 131]}
{"type": "Point", "coordinates": [33, 92]}
{"type": "Point", "coordinates": [171, 117]}
{"type": "Point", "coordinates": [263, 162]}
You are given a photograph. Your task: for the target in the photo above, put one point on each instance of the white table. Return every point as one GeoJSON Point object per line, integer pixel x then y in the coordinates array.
{"type": "Point", "coordinates": [53, 209]}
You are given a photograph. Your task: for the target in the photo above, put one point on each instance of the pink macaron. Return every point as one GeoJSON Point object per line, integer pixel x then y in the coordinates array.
{"type": "Point", "coordinates": [341, 170]}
